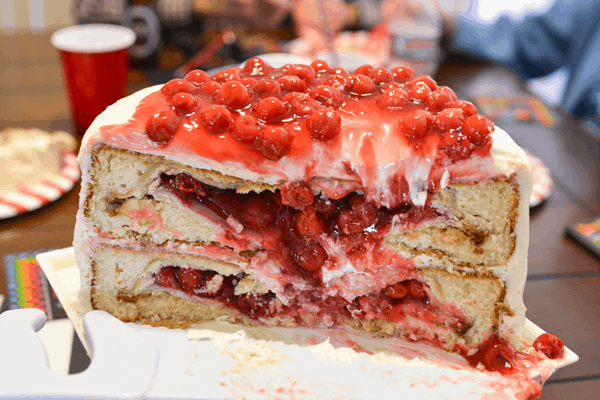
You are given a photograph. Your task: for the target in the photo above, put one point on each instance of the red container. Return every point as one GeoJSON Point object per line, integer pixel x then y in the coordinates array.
{"type": "Point", "coordinates": [95, 62]}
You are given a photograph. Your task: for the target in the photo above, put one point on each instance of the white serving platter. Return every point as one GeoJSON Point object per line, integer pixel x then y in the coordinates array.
{"type": "Point", "coordinates": [223, 361]}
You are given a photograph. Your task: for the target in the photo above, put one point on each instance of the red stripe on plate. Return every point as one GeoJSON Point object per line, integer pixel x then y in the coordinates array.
{"type": "Point", "coordinates": [54, 185]}
{"type": "Point", "coordinates": [18, 207]}
{"type": "Point", "coordinates": [29, 192]}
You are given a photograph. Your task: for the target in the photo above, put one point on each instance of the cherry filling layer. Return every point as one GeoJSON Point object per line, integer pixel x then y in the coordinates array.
{"type": "Point", "coordinates": [332, 261]}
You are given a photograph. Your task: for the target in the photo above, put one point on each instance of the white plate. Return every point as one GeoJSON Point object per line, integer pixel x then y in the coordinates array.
{"type": "Point", "coordinates": [239, 364]}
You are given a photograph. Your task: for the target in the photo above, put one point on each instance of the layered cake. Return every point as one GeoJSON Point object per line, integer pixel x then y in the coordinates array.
{"type": "Point", "coordinates": [306, 196]}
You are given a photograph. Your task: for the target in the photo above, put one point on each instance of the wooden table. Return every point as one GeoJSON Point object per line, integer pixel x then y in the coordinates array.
{"type": "Point", "coordinates": [563, 285]}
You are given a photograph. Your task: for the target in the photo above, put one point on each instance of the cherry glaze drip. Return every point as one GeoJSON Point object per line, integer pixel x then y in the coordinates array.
{"type": "Point", "coordinates": [309, 120]}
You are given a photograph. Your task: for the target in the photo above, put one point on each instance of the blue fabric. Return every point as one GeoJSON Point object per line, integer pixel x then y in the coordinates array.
{"type": "Point", "coordinates": [566, 35]}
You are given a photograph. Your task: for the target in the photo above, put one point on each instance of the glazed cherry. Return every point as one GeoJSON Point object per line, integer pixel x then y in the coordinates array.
{"type": "Point", "coordinates": [468, 108]}
{"type": "Point", "coordinates": [257, 67]}
{"type": "Point", "coordinates": [297, 195]}
{"type": "Point", "coordinates": [227, 75]}
{"type": "Point", "coordinates": [216, 119]}
{"type": "Point", "coordinates": [274, 142]}
{"type": "Point", "coordinates": [499, 356]}
{"type": "Point", "coordinates": [381, 76]}
{"type": "Point", "coordinates": [270, 109]}
{"type": "Point", "coordinates": [348, 222]}
{"type": "Point", "coordinates": [233, 95]}
{"type": "Point", "coordinates": [303, 106]}
{"type": "Point", "coordinates": [416, 124]}
{"type": "Point", "coordinates": [175, 86]}
{"type": "Point", "coordinates": [416, 289]}
{"type": "Point", "coordinates": [365, 211]}
{"type": "Point", "coordinates": [394, 97]}
{"type": "Point", "coordinates": [362, 85]}
{"type": "Point", "coordinates": [197, 77]}
{"type": "Point", "coordinates": [245, 129]}
{"type": "Point", "coordinates": [248, 82]}
{"type": "Point", "coordinates": [310, 256]}
{"type": "Point", "coordinates": [267, 88]}
{"type": "Point", "coordinates": [184, 102]}
{"type": "Point", "coordinates": [162, 126]}
{"type": "Point", "coordinates": [189, 278]}
{"type": "Point", "coordinates": [210, 88]}
{"type": "Point", "coordinates": [302, 71]}
{"type": "Point", "coordinates": [327, 96]}
{"type": "Point", "coordinates": [449, 91]}
{"type": "Point", "coordinates": [449, 119]}
{"type": "Point", "coordinates": [324, 205]}
{"type": "Point", "coordinates": [338, 71]}
{"type": "Point", "coordinates": [186, 184]}
{"type": "Point", "coordinates": [438, 99]}
{"type": "Point", "coordinates": [167, 278]}
{"type": "Point", "coordinates": [419, 92]}
{"type": "Point", "coordinates": [550, 345]}
{"type": "Point", "coordinates": [426, 79]}
{"type": "Point", "coordinates": [340, 82]}
{"type": "Point", "coordinates": [292, 83]}
{"type": "Point", "coordinates": [397, 291]}
{"type": "Point", "coordinates": [477, 128]}
{"type": "Point", "coordinates": [324, 124]}
{"type": "Point", "coordinates": [320, 66]}
{"type": "Point", "coordinates": [306, 223]}
{"type": "Point", "coordinates": [403, 74]}
{"type": "Point", "coordinates": [257, 214]}
{"type": "Point", "coordinates": [461, 149]}
{"type": "Point", "coordinates": [364, 70]}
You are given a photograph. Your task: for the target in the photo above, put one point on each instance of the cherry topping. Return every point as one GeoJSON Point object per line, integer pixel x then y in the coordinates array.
{"type": "Point", "coordinates": [468, 108]}
{"type": "Point", "coordinates": [392, 98]}
{"type": "Point", "coordinates": [550, 345]}
{"type": "Point", "coordinates": [257, 67]}
{"type": "Point", "coordinates": [270, 109]}
{"type": "Point", "coordinates": [189, 278]}
{"type": "Point", "coordinates": [245, 128]}
{"type": "Point", "coordinates": [341, 82]}
{"type": "Point", "coordinates": [307, 223]}
{"type": "Point", "coordinates": [184, 102]}
{"type": "Point", "coordinates": [310, 257]}
{"type": "Point", "coordinates": [216, 119]}
{"type": "Point", "coordinates": [300, 70]}
{"type": "Point", "coordinates": [210, 88]}
{"type": "Point", "coordinates": [274, 142]}
{"type": "Point", "coordinates": [416, 124]}
{"type": "Point", "coordinates": [267, 88]}
{"type": "Point", "coordinates": [438, 99]}
{"type": "Point", "coordinates": [477, 128]}
{"type": "Point", "coordinates": [324, 124]}
{"type": "Point", "coordinates": [499, 356]}
{"type": "Point", "coordinates": [450, 118]}
{"type": "Point", "coordinates": [426, 79]}
{"type": "Point", "coordinates": [162, 126]}
{"type": "Point", "coordinates": [291, 83]}
{"type": "Point", "coordinates": [419, 92]}
{"type": "Point", "coordinates": [226, 75]}
{"type": "Point", "coordinates": [364, 69]}
{"type": "Point", "coordinates": [416, 289]}
{"type": "Point", "coordinates": [328, 96]}
{"type": "Point", "coordinates": [197, 77]}
{"type": "Point", "coordinates": [397, 290]}
{"type": "Point", "coordinates": [167, 278]}
{"type": "Point", "coordinates": [248, 82]}
{"type": "Point", "coordinates": [320, 66]}
{"type": "Point", "coordinates": [233, 95]}
{"type": "Point", "coordinates": [297, 195]}
{"type": "Point", "coordinates": [257, 214]}
{"type": "Point", "coordinates": [403, 74]}
{"type": "Point", "coordinates": [175, 86]}
{"type": "Point", "coordinates": [381, 76]}
{"type": "Point", "coordinates": [362, 85]}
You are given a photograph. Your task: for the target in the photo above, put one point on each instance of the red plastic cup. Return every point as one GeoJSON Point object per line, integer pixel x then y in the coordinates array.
{"type": "Point", "coordinates": [95, 63]}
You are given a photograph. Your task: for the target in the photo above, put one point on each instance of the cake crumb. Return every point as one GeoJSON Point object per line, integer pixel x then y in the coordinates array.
{"type": "Point", "coordinates": [254, 355]}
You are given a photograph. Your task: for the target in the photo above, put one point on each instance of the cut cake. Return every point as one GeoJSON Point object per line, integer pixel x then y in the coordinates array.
{"type": "Point", "coordinates": [308, 196]}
